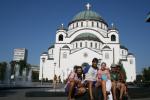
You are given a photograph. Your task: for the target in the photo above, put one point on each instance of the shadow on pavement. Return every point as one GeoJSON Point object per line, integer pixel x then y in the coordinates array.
{"type": "Point", "coordinates": [5, 93]}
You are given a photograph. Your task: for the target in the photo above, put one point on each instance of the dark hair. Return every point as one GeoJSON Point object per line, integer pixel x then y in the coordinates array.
{"type": "Point", "coordinates": [77, 67]}
{"type": "Point", "coordinates": [103, 63]}
{"type": "Point", "coordinates": [95, 60]}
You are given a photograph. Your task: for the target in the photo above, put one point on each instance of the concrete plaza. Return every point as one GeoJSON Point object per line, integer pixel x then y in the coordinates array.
{"type": "Point", "coordinates": [45, 93]}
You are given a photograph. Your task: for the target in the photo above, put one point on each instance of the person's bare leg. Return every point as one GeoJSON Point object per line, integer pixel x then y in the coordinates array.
{"type": "Point", "coordinates": [122, 87]}
{"type": "Point", "coordinates": [126, 90]}
{"type": "Point", "coordinates": [71, 87]}
{"type": "Point", "coordinates": [114, 90]}
{"type": "Point", "coordinates": [104, 89]}
{"type": "Point", "coordinates": [90, 90]}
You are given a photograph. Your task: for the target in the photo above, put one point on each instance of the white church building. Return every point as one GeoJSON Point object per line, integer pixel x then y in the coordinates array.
{"type": "Point", "coordinates": [87, 36]}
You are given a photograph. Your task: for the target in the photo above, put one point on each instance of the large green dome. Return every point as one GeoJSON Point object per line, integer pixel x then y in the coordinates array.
{"type": "Point", "coordinates": [87, 15]}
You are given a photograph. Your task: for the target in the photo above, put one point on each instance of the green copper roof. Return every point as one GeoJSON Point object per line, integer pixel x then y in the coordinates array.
{"type": "Point", "coordinates": [65, 46]}
{"type": "Point", "coordinates": [87, 15]}
{"type": "Point", "coordinates": [86, 36]}
{"type": "Point", "coordinates": [123, 47]}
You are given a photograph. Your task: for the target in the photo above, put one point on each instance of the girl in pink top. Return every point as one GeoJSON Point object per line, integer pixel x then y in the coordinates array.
{"type": "Point", "coordinates": [103, 79]}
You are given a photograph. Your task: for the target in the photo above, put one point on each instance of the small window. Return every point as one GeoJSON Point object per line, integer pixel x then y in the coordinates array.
{"type": "Point", "coordinates": [85, 44]}
{"type": "Point", "coordinates": [92, 24]}
{"type": "Point", "coordinates": [113, 38]}
{"type": "Point", "coordinates": [76, 45]}
{"type": "Point", "coordinates": [91, 44]}
{"type": "Point", "coordinates": [97, 24]}
{"type": "Point", "coordinates": [60, 37]}
{"type": "Point", "coordinates": [81, 24]}
{"type": "Point", "coordinates": [95, 45]}
{"type": "Point", "coordinates": [77, 25]}
{"type": "Point", "coordinates": [81, 44]}
{"type": "Point", "coordinates": [64, 55]}
{"type": "Point", "coordinates": [131, 61]}
{"type": "Point", "coordinates": [106, 56]}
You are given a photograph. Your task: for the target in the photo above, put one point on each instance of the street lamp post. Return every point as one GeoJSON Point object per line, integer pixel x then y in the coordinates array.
{"type": "Point", "coordinates": [54, 80]}
{"type": "Point", "coordinates": [63, 76]}
{"type": "Point", "coordinates": [54, 68]}
{"type": "Point", "coordinates": [43, 60]}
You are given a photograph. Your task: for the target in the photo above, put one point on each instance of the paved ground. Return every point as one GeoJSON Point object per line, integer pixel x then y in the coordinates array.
{"type": "Point", "coordinates": [20, 94]}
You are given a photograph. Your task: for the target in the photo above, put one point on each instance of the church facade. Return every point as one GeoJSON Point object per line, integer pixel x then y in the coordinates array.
{"type": "Point", "coordinates": [87, 36]}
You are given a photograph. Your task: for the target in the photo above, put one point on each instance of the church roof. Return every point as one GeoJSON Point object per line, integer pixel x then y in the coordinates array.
{"type": "Point", "coordinates": [44, 53]}
{"type": "Point", "coordinates": [106, 47]}
{"type": "Point", "coordinates": [130, 54]}
{"type": "Point", "coordinates": [123, 47]}
{"type": "Point", "coordinates": [61, 27]}
{"type": "Point", "coordinates": [86, 36]}
{"type": "Point", "coordinates": [65, 46]}
{"type": "Point", "coordinates": [88, 15]}
{"type": "Point", "coordinates": [52, 46]}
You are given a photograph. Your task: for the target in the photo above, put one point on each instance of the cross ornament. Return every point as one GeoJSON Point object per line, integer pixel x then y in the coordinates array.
{"type": "Point", "coordinates": [88, 6]}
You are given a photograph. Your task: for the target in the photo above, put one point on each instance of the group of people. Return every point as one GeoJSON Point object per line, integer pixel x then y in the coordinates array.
{"type": "Point", "coordinates": [111, 82]}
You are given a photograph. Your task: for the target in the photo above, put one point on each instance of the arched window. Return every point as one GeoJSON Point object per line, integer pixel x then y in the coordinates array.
{"type": "Point", "coordinates": [85, 44]}
{"type": "Point", "coordinates": [131, 61]}
{"type": "Point", "coordinates": [77, 24]}
{"type": "Point", "coordinates": [92, 24]}
{"type": "Point", "coordinates": [60, 37]}
{"type": "Point", "coordinates": [76, 45]}
{"type": "Point", "coordinates": [113, 38]}
{"type": "Point", "coordinates": [81, 44]}
{"type": "Point", "coordinates": [81, 24]}
{"type": "Point", "coordinates": [97, 24]}
{"type": "Point", "coordinates": [91, 44]}
{"type": "Point", "coordinates": [95, 45]}
{"type": "Point", "coordinates": [106, 56]}
{"type": "Point", "coordinates": [64, 55]}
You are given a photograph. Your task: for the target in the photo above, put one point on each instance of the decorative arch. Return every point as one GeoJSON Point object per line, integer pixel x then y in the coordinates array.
{"type": "Point", "coordinates": [87, 30]}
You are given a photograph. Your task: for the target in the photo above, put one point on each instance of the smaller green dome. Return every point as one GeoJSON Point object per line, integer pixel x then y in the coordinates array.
{"type": "Point", "coordinates": [86, 36]}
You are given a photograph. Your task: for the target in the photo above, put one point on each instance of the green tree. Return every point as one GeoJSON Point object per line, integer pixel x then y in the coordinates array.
{"type": "Point", "coordinates": [3, 66]}
{"type": "Point", "coordinates": [23, 65]}
{"type": "Point", "coordinates": [146, 73]}
{"type": "Point", "coordinates": [123, 70]}
{"type": "Point", "coordinates": [139, 77]}
{"type": "Point", "coordinates": [12, 64]}
{"type": "Point", "coordinates": [35, 76]}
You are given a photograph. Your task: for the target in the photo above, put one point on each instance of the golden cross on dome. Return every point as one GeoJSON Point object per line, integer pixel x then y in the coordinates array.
{"type": "Point", "coordinates": [88, 6]}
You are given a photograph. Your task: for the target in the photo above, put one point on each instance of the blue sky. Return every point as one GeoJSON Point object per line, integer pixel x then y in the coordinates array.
{"type": "Point", "coordinates": [32, 24]}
